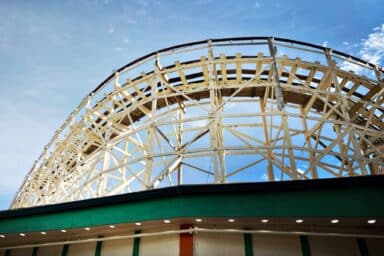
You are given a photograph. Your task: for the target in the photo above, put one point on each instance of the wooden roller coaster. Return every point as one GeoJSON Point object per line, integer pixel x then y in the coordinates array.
{"type": "Point", "coordinates": [216, 111]}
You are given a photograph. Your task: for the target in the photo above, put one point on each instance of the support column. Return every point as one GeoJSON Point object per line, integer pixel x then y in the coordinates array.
{"type": "Point", "coordinates": [277, 90]}
{"type": "Point", "coordinates": [64, 252]}
{"type": "Point", "coordinates": [150, 140]}
{"type": "Point", "coordinates": [248, 245]}
{"type": "Point", "coordinates": [179, 140]}
{"type": "Point", "coordinates": [136, 244]}
{"type": "Point", "coordinates": [34, 252]}
{"type": "Point", "coordinates": [99, 246]}
{"type": "Point", "coordinates": [102, 186]}
{"type": "Point", "coordinates": [345, 111]}
{"type": "Point", "coordinates": [362, 246]}
{"type": "Point", "coordinates": [186, 241]}
{"type": "Point", "coordinates": [271, 175]}
{"type": "Point", "coordinates": [215, 120]}
{"type": "Point", "coordinates": [305, 249]}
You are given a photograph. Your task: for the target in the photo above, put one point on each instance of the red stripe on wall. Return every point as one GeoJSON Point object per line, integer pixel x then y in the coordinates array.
{"type": "Point", "coordinates": [186, 241]}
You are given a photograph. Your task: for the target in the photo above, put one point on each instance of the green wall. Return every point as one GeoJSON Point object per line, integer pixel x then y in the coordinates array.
{"type": "Point", "coordinates": [350, 202]}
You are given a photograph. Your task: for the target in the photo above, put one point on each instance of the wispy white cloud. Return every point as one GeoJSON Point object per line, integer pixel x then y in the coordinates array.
{"type": "Point", "coordinates": [373, 46]}
{"type": "Point", "coordinates": [349, 66]}
{"type": "Point", "coordinates": [325, 43]}
{"type": "Point", "coordinates": [372, 50]}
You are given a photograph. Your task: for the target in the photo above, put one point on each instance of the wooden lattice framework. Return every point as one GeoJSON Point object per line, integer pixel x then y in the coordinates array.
{"type": "Point", "coordinates": [216, 111]}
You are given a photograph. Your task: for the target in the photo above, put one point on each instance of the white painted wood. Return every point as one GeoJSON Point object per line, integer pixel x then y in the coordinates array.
{"type": "Point", "coordinates": [121, 247]}
{"type": "Point", "coordinates": [166, 245]}
{"type": "Point", "coordinates": [50, 250]}
{"type": "Point", "coordinates": [271, 245]}
{"type": "Point", "coordinates": [126, 136]}
{"type": "Point", "coordinates": [329, 246]}
{"type": "Point", "coordinates": [83, 249]}
{"type": "Point", "coordinates": [219, 244]}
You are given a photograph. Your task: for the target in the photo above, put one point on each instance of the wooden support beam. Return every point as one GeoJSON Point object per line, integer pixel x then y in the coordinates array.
{"type": "Point", "coordinates": [186, 241]}
{"type": "Point", "coordinates": [324, 84]}
{"type": "Point", "coordinates": [223, 68]}
{"type": "Point", "coordinates": [239, 75]}
{"type": "Point", "coordinates": [358, 105]}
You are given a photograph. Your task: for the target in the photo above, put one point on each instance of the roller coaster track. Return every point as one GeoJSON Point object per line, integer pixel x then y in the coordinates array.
{"type": "Point", "coordinates": [216, 111]}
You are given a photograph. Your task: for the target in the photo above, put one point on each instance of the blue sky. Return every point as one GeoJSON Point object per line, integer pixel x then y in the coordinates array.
{"type": "Point", "coordinates": [52, 53]}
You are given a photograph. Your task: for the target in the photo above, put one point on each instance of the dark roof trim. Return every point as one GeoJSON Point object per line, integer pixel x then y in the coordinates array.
{"type": "Point", "coordinates": [233, 188]}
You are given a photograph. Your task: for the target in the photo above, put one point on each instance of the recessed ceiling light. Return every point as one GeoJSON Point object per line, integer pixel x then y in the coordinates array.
{"type": "Point", "coordinates": [299, 221]}
{"type": "Point", "coordinates": [138, 223]}
{"type": "Point", "coordinates": [264, 220]}
{"type": "Point", "coordinates": [2, 236]}
{"type": "Point", "coordinates": [112, 226]}
{"type": "Point", "coordinates": [167, 221]}
{"type": "Point", "coordinates": [231, 220]}
{"type": "Point", "coordinates": [198, 220]}
{"type": "Point", "coordinates": [334, 221]}
{"type": "Point", "coordinates": [22, 234]}
{"type": "Point", "coordinates": [371, 221]}
{"type": "Point", "coordinates": [87, 228]}
{"type": "Point", "coordinates": [43, 233]}
{"type": "Point", "coordinates": [63, 230]}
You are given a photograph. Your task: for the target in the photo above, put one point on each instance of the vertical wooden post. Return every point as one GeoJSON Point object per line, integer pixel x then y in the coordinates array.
{"type": "Point", "coordinates": [186, 241]}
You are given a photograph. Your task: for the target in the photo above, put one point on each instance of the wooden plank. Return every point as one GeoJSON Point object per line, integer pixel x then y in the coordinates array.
{"type": "Point", "coordinates": [238, 68]}
{"type": "Point", "coordinates": [223, 67]}
{"type": "Point", "coordinates": [355, 109]}
{"type": "Point", "coordinates": [186, 241]}
{"type": "Point", "coordinates": [259, 66]}
{"type": "Point", "coordinates": [325, 83]}
{"type": "Point", "coordinates": [181, 73]}
{"type": "Point", "coordinates": [292, 74]}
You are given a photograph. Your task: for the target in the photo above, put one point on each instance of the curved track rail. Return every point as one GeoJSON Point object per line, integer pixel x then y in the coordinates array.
{"type": "Point", "coordinates": [216, 111]}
